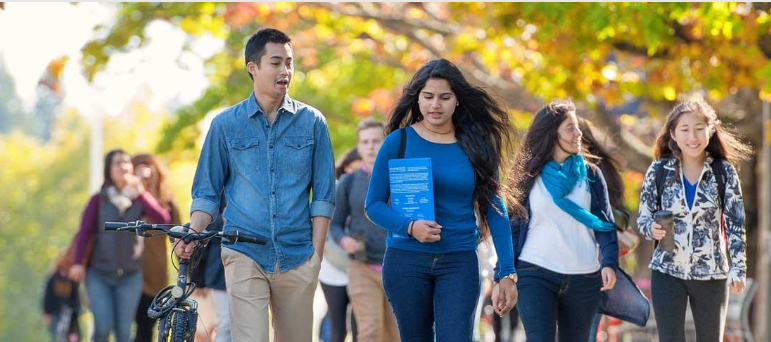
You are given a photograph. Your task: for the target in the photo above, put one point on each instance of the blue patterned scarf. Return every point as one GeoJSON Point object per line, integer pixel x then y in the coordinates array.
{"type": "Point", "coordinates": [560, 182]}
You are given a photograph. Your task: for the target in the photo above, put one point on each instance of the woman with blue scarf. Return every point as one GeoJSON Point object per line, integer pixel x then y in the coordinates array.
{"type": "Point", "coordinates": [565, 244]}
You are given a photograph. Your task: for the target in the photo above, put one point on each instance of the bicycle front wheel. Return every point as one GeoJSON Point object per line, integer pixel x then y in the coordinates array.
{"type": "Point", "coordinates": [182, 330]}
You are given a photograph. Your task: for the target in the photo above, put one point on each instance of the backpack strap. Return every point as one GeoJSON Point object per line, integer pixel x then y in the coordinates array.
{"type": "Point", "coordinates": [402, 142]}
{"type": "Point", "coordinates": [661, 178]}
{"type": "Point", "coordinates": [718, 169]}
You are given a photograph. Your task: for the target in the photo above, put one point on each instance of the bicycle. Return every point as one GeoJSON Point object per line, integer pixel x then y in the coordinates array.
{"type": "Point", "coordinates": [176, 313]}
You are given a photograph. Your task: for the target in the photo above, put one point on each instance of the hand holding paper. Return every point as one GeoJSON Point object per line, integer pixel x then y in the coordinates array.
{"type": "Point", "coordinates": [426, 231]}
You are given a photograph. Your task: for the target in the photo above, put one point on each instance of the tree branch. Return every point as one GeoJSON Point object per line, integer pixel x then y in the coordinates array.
{"type": "Point", "coordinates": [394, 19]}
{"type": "Point", "coordinates": [681, 32]}
{"type": "Point", "coordinates": [764, 44]}
{"type": "Point", "coordinates": [639, 50]}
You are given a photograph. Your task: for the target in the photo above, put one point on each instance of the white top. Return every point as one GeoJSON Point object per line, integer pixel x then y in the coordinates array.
{"type": "Point", "coordinates": [555, 240]}
{"type": "Point", "coordinates": [330, 275]}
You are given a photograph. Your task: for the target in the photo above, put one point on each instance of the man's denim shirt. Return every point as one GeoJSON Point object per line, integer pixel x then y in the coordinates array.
{"type": "Point", "coordinates": [268, 173]}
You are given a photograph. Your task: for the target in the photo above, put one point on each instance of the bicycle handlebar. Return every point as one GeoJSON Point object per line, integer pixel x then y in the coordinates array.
{"type": "Point", "coordinates": [236, 236]}
{"type": "Point", "coordinates": [115, 225]}
{"type": "Point", "coordinates": [141, 227]}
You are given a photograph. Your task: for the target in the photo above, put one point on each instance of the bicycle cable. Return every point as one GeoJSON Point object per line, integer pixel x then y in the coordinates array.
{"type": "Point", "coordinates": [195, 258]}
{"type": "Point", "coordinates": [164, 301]}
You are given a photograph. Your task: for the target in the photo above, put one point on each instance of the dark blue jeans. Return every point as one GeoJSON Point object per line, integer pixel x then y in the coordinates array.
{"type": "Point", "coordinates": [548, 299]}
{"type": "Point", "coordinates": [433, 295]}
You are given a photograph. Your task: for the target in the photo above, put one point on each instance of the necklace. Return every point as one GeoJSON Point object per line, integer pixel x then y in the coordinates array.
{"type": "Point", "coordinates": [431, 130]}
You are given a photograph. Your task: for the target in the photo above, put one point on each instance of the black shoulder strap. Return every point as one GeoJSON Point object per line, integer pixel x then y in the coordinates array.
{"type": "Point", "coordinates": [718, 169]}
{"type": "Point", "coordinates": [402, 142]}
{"type": "Point", "coordinates": [661, 177]}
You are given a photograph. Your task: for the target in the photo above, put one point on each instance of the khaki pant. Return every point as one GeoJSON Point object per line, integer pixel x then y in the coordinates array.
{"type": "Point", "coordinates": [289, 294]}
{"type": "Point", "coordinates": [375, 321]}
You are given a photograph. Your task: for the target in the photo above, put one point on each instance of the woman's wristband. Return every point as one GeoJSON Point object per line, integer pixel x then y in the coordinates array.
{"type": "Point", "coordinates": [409, 229]}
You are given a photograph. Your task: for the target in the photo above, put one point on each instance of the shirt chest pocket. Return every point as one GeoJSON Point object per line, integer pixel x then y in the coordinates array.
{"type": "Point", "coordinates": [244, 155]}
{"type": "Point", "coordinates": [298, 157]}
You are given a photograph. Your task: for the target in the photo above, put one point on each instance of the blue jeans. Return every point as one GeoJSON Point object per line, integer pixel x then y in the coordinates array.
{"type": "Point", "coordinates": [113, 300]}
{"type": "Point", "coordinates": [433, 295]}
{"type": "Point", "coordinates": [548, 299]}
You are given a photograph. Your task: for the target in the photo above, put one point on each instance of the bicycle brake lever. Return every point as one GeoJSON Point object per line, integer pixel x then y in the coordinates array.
{"type": "Point", "coordinates": [142, 234]}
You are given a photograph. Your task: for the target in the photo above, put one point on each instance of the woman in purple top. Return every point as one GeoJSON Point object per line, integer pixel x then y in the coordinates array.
{"type": "Point", "coordinates": [113, 271]}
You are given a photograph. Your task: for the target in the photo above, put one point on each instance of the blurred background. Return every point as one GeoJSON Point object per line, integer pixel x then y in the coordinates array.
{"type": "Point", "coordinates": [79, 79]}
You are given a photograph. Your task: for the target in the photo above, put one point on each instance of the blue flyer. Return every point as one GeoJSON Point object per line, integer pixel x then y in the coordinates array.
{"type": "Point", "coordinates": [412, 187]}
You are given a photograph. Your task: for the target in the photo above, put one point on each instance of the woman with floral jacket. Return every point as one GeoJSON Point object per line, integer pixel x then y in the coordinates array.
{"type": "Point", "coordinates": [689, 148]}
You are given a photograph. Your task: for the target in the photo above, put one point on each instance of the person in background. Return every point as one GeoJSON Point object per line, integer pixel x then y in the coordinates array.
{"type": "Point", "coordinates": [333, 275]}
{"type": "Point", "coordinates": [61, 302]}
{"type": "Point", "coordinates": [209, 277]}
{"type": "Point", "coordinates": [155, 255]}
{"type": "Point", "coordinates": [114, 271]}
{"type": "Point", "coordinates": [349, 162]}
{"type": "Point", "coordinates": [364, 242]}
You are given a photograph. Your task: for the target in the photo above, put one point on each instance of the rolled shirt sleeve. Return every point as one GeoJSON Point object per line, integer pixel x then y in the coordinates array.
{"type": "Point", "coordinates": [323, 183]}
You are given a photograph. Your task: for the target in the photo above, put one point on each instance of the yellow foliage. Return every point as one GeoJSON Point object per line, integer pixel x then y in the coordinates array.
{"type": "Point", "coordinates": [669, 93]}
{"type": "Point", "coordinates": [628, 120]}
{"type": "Point", "coordinates": [362, 107]}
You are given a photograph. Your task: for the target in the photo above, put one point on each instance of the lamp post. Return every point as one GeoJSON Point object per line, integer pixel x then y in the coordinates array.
{"type": "Point", "coordinates": [95, 161]}
{"type": "Point", "coordinates": [762, 320]}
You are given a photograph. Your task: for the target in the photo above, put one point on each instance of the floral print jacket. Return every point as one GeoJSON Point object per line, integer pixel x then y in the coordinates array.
{"type": "Point", "coordinates": [702, 247]}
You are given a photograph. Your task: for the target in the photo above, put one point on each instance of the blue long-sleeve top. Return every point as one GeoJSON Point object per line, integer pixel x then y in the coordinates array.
{"type": "Point", "coordinates": [454, 184]}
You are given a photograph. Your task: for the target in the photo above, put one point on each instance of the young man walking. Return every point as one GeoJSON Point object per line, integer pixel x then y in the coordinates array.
{"type": "Point", "coordinates": [268, 153]}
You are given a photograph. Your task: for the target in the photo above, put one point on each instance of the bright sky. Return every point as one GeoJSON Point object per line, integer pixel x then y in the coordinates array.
{"type": "Point", "coordinates": [33, 34]}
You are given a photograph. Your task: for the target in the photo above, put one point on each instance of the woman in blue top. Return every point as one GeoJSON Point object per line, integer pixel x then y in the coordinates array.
{"type": "Point", "coordinates": [565, 244]}
{"type": "Point", "coordinates": [430, 269]}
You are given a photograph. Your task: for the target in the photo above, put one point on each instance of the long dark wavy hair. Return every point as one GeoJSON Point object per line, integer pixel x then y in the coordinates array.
{"type": "Point", "coordinates": [482, 128]}
{"type": "Point", "coordinates": [536, 150]}
{"type": "Point", "coordinates": [723, 144]}
{"type": "Point", "coordinates": [606, 161]}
